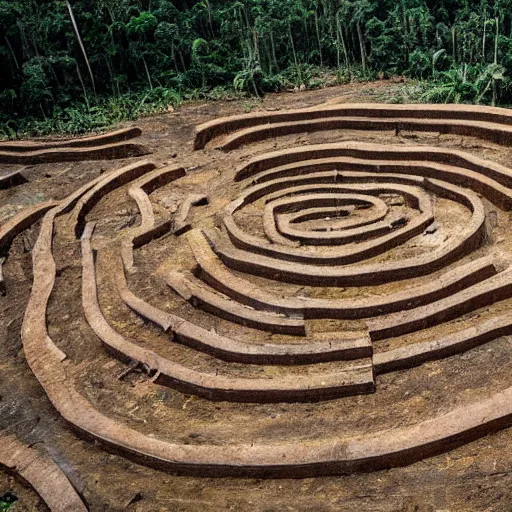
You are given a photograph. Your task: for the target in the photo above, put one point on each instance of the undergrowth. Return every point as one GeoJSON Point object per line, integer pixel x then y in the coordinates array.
{"type": "Point", "coordinates": [464, 84]}
{"type": "Point", "coordinates": [101, 113]}
{"type": "Point", "coordinates": [7, 500]}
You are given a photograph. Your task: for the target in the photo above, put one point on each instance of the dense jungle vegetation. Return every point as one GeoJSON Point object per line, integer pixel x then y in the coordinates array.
{"type": "Point", "coordinates": [78, 65]}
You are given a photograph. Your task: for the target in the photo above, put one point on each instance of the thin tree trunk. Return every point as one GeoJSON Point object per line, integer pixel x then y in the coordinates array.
{"type": "Point", "coordinates": [494, 84]}
{"type": "Point", "coordinates": [111, 74]}
{"type": "Point", "coordinates": [173, 54]}
{"type": "Point", "coordinates": [352, 52]}
{"type": "Point", "coordinates": [294, 53]}
{"type": "Point", "coordinates": [111, 14]}
{"type": "Point", "coordinates": [248, 34]}
{"type": "Point", "coordinates": [338, 44]}
{"type": "Point", "coordinates": [406, 35]}
{"type": "Point", "coordinates": [268, 57]}
{"type": "Point", "coordinates": [182, 60]}
{"type": "Point", "coordinates": [255, 87]}
{"type": "Point", "coordinates": [52, 71]}
{"type": "Point", "coordinates": [361, 46]}
{"type": "Point", "coordinates": [24, 42]}
{"type": "Point", "coordinates": [496, 41]}
{"type": "Point", "coordinates": [343, 44]}
{"type": "Point", "coordinates": [273, 47]}
{"type": "Point", "coordinates": [210, 21]}
{"type": "Point", "coordinates": [319, 40]}
{"type": "Point", "coordinates": [82, 83]}
{"type": "Point", "coordinates": [79, 39]}
{"type": "Point", "coordinates": [306, 39]}
{"type": "Point", "coordinates": [483, 41]}
{"type": "Point", "coordinates": [12, 52]}
{"type": "Point", "coordinates": [242, 37]}
{"type": "Point", "coordinates": [147, 73]}
{"type": "Point", "coordinates": [453, 45]}
{"type": "Point", "coordinates": [256, 45]}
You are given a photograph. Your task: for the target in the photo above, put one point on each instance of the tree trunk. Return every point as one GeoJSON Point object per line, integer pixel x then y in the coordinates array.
{"type": "Point", "coordinates": [147, 73]}
{"type": "Point", "coordinates": [83, 85]}
{"type": "Point", "coordinates": [483, 41]}
{"type": "Point", "coordinates": [79, 39]}
{"type": "Point", "coordinates": [343, 44]}
{"type": "Point", "coordinates": [12, 52]}
{"type": "Point", "coordinates": [494, 84]}
{"type": "Point", "coordinates": [453, 45]}
{"type": "Point", "coordinates": [319, 40]}
{"type": "Point", "coordinates": [294, 53]}
{"type": "Point", "coordinates": [361, 46]}
{"type": "Point", "coordinates": [256, 45]}
{"type": "Point", "coordinates": [273, 47]}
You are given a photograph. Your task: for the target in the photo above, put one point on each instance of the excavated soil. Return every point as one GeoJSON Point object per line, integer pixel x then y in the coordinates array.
{"type": "Point", "coordinates": [476, 476]}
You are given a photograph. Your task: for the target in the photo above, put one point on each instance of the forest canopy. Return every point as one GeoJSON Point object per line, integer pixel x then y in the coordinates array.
{"type": "Point", "coordinates": [77, 65]}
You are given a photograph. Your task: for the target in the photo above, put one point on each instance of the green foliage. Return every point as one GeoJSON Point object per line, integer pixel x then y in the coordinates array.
{"type": "Point", "coordinates": [253, 80]}
{"type": "Point", "coordinates": [34, 90]}
{"type": "Point", "coordinates": [7, 500]}
{"type": "Point", "coordinates": [4, 507]}
{"type": "Point", "coordinates": [78, 65]}
{"type": "Point", "coordinates": [79, 118]}
{"type": "Point", "coordinates": [142, 25]}
{"type": "Point", "coordinates": [466, 84]}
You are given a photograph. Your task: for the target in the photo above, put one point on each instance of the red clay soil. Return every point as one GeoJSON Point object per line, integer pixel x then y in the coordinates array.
{"type": "Point", "coordinates": [317, 318]}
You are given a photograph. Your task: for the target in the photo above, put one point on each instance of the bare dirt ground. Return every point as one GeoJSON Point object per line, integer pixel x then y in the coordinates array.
{"type": "Point", "coordinates": [476, 477]}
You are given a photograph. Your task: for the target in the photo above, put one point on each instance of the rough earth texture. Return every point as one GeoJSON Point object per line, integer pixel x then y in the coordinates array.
{"type": "Point", "coordinates": [476, 476]}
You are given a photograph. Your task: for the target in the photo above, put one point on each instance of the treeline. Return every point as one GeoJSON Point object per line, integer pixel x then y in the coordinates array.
{"type": "Point", "coordinates": [79, 64]}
